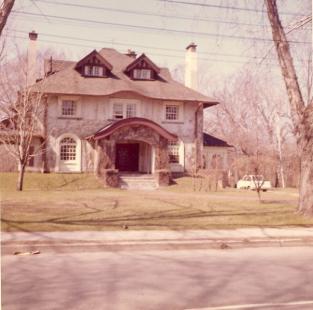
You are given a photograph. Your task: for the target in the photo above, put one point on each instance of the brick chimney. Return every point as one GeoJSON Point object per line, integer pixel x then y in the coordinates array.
{"type": "Point", "coordinates": [191, 66]}
{"type": "Point", "coordinates": [31, 58]}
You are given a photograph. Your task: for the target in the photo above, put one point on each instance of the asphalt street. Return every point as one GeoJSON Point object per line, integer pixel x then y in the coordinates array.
{"type": "Point", "coordinates": [281, 278]}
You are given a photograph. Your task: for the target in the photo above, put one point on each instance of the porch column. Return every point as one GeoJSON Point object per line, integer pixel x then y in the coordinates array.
{"type": "Point", "coordinates": [162, 171]}
{"type": "Point", "coordinates": [106, 167]}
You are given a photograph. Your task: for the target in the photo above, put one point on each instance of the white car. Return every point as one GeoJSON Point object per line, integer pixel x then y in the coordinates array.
{"type": "Point", "coordinates": [253, 182]}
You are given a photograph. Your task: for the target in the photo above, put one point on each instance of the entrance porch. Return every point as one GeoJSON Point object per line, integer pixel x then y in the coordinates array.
{"type": "Point", "coordinates": [133, 146]}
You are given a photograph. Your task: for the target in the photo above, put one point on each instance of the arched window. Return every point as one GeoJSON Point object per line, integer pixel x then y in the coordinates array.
{"type": "Point", "coordinates": [68, 149]}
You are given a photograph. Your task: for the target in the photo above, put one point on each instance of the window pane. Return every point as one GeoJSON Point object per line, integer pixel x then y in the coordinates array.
{"type": "Point", "coordinates": [136, 74]}
{"type": "Point", "coordinates": [87, 70]}
{"type": "Point", "coordinates": [142, 74]}
{"type": "Point", "coordinates": [131, 110]}
{"type": "Point", "coordinates": [97, 71]}
{"type": "Point", "coordinates": [68, 149]}
{"type": "Point", "coordinates": [69, 108]}
{"type": "Point", "coordinates": [173, 152]}
{"type": "Point", "coordinates": [171, 112]}
{"type": "Point", "coordinates": [117, 110]}
{"type": "Point", "coordinates": [146, 74]}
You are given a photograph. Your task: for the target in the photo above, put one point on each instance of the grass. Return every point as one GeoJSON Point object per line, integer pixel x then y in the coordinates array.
{"type": "Point", "coordinates": [70, 202]}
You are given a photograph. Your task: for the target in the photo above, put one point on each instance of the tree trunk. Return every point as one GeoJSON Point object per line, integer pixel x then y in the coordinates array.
{"type": "Point", "coordinates": [301, 116]}
{"type": "Point", "coordinates": [20, 180]}
{"type": "Point", "coordinates": [306, 164]}
{"type": "Point", "coordinates": [5, 11]}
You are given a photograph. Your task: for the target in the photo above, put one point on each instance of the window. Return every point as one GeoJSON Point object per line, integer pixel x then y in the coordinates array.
{"type": "Point", "coordinates": [68, 149]}
{"type": "Point", "coordinates": [172, 112]}
{"type": "Point", "coordinates": [142, 74]}
{"type": "Point", "coordinates": [93, 70]}
{"type": "Point", "coordinates": [118, 111]}
{"type": "Point", "coordinates": [173, 152]}
{"type": "Point", "coordinates": [124, 110]}
{"type": "Point", "coordinates": [69, 108]}
{"type": "Point", "coordinates": [130, 110]}
{"type": "Point", "coordinates": [87, 70]}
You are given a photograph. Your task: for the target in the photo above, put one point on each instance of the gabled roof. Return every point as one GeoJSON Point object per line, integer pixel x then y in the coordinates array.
{"type": "Point", "coordinates": [209, 140]}
{"type": "Point", "coordinates": [95, 54]}
{"type": "Point", "coordinates": [132, 121]}
{"type": "Point", "coordinates": [69, 81]}
{"type": "Point", "coordinates": [144, 58]}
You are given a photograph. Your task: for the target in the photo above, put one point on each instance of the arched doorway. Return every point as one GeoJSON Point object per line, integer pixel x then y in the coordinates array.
{"type": "Point", "coordinates": [133, 156]}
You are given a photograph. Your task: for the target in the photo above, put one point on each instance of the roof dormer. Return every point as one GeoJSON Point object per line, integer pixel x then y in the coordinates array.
{"type": "Point", "coordinates": [94, 65]}
{"type": "Point", "coordinates": [142, 68]}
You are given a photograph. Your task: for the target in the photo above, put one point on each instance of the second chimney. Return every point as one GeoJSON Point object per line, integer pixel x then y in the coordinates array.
{"type": "Point", "coordinates": [31, 58]}
{"type": "Point", "coordinates": [131, 54]}
{"type": "Point", "coordinates": [191, 67]}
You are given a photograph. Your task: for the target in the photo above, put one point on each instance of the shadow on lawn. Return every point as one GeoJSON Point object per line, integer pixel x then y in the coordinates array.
{"type": "Point", "coordinates": [181, 213]}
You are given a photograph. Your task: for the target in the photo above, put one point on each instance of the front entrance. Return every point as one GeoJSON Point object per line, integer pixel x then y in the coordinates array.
{"type": "Point", "coordinates": [127, 157]}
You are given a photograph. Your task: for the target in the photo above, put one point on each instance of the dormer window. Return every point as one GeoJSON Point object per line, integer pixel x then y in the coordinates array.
{"type": "Point", "coordinates": [93, 70]}
{"type": "Point", "coordinates": [94, 65]}
{"type": "Point", "coordinates": [142, 74]}
{"type": "Point", "coordinates": [142, 68]}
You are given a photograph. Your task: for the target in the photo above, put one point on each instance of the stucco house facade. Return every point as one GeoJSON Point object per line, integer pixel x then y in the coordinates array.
{"type": "Point", "coordinates": [112, 114]}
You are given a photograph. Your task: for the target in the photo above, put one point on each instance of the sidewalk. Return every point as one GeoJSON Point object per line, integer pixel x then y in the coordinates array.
{"type": "Point", "coordinates": [128, 239]}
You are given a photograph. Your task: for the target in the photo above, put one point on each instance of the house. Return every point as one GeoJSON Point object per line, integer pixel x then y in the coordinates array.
{"type": "Point", "coordinates": [111, 113]}
{"type": "Point", "coordinates": [215, 153]}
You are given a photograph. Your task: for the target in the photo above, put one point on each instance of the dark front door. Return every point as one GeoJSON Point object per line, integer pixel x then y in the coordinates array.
{"type": "Point", "coordinates": [127, 156]}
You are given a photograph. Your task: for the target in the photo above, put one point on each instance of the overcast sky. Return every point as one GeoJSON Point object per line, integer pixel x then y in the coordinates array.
{"type": "Point", "coordinates": [228, 33]}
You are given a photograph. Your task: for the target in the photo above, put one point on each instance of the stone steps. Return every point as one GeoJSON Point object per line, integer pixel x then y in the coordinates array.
{"type": "Point", "coordinates": [138, 182]}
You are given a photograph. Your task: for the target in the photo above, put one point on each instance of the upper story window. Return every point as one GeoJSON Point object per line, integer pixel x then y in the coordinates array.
{"type": "Point", "coordinates": [142, 68]}
{"type": "Point", "coordinates": [131, 110]}
{"type": "Point", "coordinates": [171, 112]}
{"type": "Point", "coordinates": [94, 65]}
{"type": "Point", "coordinates": [69, 108]}
{"type": "Point", "coordinates": [142, 74]}
{"type": "Point", "coordinates": [118, 111]}
{"type": "Point", "coordinates": [93, 70]}
{"type": "Point", "coordinates": [124, 110]}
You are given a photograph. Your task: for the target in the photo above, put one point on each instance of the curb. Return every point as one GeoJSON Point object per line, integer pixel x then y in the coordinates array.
{"type": "Point", "coordinates": [68, 246]}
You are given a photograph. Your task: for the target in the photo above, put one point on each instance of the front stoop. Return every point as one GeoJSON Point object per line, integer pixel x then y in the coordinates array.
{"type": "Point", "coordinates": [138, 181]}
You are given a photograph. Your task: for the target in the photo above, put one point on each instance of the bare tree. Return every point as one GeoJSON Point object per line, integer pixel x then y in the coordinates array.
{"type": "Point", "coordinates": [23, 112]}
{"type": "Point", "coordinates": [5, 11]}
{"type": "Point", "coordinates": [302, 114]}
{"type": "Point", "coordinates": [21, 127]}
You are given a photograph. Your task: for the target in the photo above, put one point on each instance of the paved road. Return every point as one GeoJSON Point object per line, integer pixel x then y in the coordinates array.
{"type": "Point", "coordinates": [194, 279]}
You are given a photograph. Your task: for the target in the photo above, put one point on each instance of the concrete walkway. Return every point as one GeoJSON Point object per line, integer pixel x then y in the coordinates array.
{"type": "Point", "coordinates": [246, 236]}
{"type": "Point", "coordinates": [150, 235]}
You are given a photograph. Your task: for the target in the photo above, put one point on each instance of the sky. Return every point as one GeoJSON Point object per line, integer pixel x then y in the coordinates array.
{"type": "Point", "coordinates": [229, 33]}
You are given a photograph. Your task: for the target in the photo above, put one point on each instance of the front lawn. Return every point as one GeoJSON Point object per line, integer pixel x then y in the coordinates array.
{"type": "Point", "coordinates": [59, 202]}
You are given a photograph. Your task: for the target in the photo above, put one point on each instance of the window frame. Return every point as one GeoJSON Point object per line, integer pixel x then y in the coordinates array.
{"type": "Point", "coordinates": [72, 108]}
{"type": "Point", "coordinates": [180, 112]}
{"type": "Point", "coordinates": [69, 150]}
{"type": "Point", "coordinates": [127, 107]}
{"type": "Point", "coordinates": [91, 70]}
{"type": "Point", "coordinates": [142, 74]}
{"type": "Point", "coordinates": [71, 164]}
{"type": "Point", "coordinates": [74, 99]}
{"type": "Point", "coordinates": [174, 152]}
